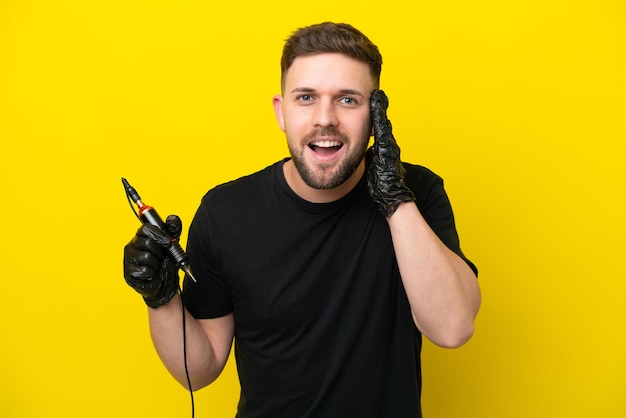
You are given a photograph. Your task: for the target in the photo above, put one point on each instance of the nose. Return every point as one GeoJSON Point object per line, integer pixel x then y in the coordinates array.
{"type": "Point", "coordinates": [325, 114]}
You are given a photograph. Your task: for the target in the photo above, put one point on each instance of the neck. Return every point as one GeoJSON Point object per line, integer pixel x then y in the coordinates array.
{"type": "Point", "coordinates": [313, 195]}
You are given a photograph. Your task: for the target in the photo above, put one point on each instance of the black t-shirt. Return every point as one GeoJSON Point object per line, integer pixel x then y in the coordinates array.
{"type": "Point", "coordinates": [323, 327]}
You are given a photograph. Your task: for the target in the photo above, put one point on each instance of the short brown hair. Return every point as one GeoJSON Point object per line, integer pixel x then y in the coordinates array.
{"type": "Point", "coordinates": [331, 37]}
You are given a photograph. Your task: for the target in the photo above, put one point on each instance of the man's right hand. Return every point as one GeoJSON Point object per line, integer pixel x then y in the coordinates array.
{"type": "Point", "coordinates": [147, 269]}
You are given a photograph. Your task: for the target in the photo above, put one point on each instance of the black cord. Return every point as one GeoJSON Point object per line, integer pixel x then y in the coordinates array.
{"type": "Point", "coordinates": [182, 305]}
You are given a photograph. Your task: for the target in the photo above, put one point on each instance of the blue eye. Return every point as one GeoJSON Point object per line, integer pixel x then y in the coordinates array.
{"type": "Point", "coordinates": [305, 98]}
{"type": "Point", "coordinates": [348, 100]}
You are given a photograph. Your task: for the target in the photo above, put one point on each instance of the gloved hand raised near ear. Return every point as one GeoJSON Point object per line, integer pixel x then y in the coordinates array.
{"type": "Point", "coordinates": [385, 176]}
{"type": "Point", "coordinates": [147, 269]}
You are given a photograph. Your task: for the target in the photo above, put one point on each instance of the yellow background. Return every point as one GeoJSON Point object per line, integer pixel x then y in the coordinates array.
{"type": "Point", "coordinates": [519, 105]}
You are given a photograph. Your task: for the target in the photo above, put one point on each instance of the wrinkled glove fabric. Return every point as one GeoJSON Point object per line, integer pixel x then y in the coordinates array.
{"type": "Point", "coordinates": [385, 176]}
{"type": "Point", "coordinates": [147, 269]}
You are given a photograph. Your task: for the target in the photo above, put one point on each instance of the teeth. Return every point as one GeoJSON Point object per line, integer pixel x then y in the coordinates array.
{"type": "Point", "coordinates": [326, 144]}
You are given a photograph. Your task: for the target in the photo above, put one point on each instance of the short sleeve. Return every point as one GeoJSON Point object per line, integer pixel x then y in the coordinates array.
{"type": "Point", "coordinates": [210, 296]}
{"type": "Point", "coordinates": [434, 205]}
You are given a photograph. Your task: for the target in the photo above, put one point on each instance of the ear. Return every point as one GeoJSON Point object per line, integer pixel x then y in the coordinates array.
{"type": "Point", "coordinates": [277, 101]}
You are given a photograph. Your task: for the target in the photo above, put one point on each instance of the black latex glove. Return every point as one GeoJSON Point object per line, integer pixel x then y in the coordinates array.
{"type": "Point", "coordinates": [385, 175]}
{"type": "Point", "coordinates": [147, 269]}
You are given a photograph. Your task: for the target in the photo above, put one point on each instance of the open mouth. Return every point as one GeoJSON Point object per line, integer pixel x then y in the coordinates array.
{"type": "Point", "coordinates": [325, 148]}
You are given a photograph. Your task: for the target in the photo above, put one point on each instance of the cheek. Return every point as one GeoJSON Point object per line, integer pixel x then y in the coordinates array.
{"type": "Point", "coordinates": [295, 123]}
{"type": "Point", "coordinates": [365, 128]}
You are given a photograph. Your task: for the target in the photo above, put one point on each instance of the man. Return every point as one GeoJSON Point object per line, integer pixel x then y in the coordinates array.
{"type": "Point", "coordinates": [327, 267]}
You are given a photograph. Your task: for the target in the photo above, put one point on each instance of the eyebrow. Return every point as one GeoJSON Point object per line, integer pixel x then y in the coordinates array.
{"type": "Point", "coordinates": [311, 90]}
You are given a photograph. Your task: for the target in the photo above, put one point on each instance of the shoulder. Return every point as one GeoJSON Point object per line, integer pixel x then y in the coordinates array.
{"type": "Point", "coordinates": [420, 178]}
{"type": "Point", "coordinates": [244, 188]}
{"type": "Point", "coordinates": [427, 186]}
{"type": "Point", "coordinates": [228, 207]}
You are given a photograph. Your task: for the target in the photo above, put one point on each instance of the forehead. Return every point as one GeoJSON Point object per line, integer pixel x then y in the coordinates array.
{"type": "Point", "coordinates": [328, 71]}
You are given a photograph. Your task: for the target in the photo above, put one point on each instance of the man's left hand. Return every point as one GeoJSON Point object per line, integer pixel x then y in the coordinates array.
{"type": "Point", "coordinates": [385, 175]}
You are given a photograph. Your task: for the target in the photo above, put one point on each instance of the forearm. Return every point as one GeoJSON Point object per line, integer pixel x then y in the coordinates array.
{"type": "Point", "coordinates": [167, 335]}
{"type": "Point", "coordinates": [442, 290]}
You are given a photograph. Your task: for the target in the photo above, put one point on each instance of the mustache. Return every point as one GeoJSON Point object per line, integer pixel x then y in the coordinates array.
{"type": "Point", "coordinates": [326, 131]}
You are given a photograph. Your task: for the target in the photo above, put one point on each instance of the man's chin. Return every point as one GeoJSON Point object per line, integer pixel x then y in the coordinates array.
{"type": "Point", "coordinates": [321, 182]}
{"type": "Point", "coordinates": [327, 178]}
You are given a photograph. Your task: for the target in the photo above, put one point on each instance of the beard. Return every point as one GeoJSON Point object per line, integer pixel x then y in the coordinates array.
{"type": "Point", "coordinates": [328, 176]}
